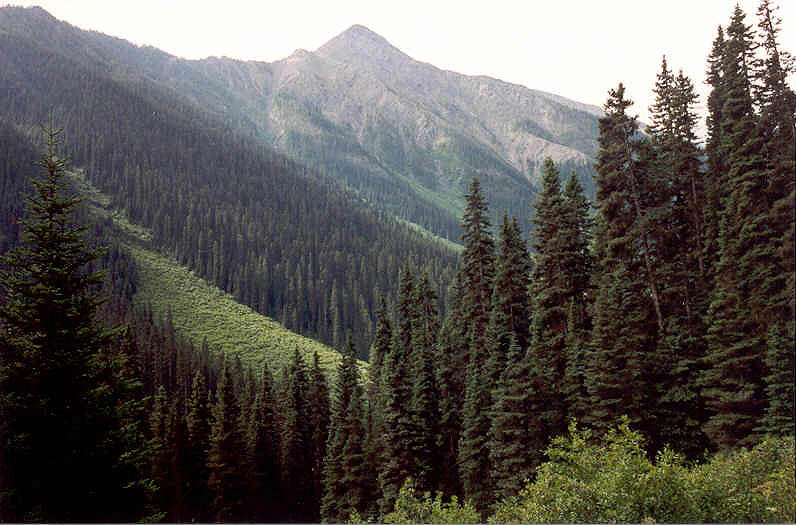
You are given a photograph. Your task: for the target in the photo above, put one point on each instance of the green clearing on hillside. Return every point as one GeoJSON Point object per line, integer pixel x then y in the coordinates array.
{"type": "Point", "coordinates": [200, 311]}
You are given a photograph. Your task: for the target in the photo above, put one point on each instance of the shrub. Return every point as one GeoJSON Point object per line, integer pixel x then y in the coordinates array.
{"type": "Point", "coordinates": [409, 508]}
{"type": "Point", "coordinates": [613, 481]}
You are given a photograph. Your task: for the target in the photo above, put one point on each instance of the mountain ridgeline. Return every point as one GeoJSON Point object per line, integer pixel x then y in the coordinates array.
{"type": "Point", "coordinates": [281, 238]}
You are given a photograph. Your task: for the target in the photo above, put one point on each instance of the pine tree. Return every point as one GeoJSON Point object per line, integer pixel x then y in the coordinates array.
{"type": "Point", "coordinates": [511, 302]}
{"type": "Point", "coordinates": [375, 393]}
{"type": "Point", "coordinates": [680, 264]}
{"type": "Point", "coordinates": [716, 174]}
{"type": "Point", "coordinates": [296, 442]}
{"type": "Point", "coordinates": [734, 384]}
{"type": "Point", "coordinates": [452, 350]}
{"type": "Point", "coordinates": [198, 427]}
{"type": "Point", "coordinates": [473, 461]}
{"type": "Point", "coordinates": [344, 474]}
{"type": "Point", "coordinates": [319, 408]}
{"type": "Point", "coordinates": [226, 481]}
{"type": "Point", "coordinates": [511, 448]}
{"type": "Point", "coordinates": [263, 448]}
{"type": "Point", "coordinates": [397, 463]}
{"type": "Point", "coordinates": [423, 403]}
{"type": "Point", "coordinates": [551, 290]}
{"type": "Point", "coordinates": [56, 416]}
{"type": "Point", "coordinates": [625, 322]}
{"type": "Point", "coordinates": [578, 264]}
{"type": "Point", "coordinates": [777, 104]}
{"type": "Point", "coordinates": [477, 266]}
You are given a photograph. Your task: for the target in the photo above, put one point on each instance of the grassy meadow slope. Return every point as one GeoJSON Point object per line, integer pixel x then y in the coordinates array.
{"type": "Point", "coordinates": [200, 311]}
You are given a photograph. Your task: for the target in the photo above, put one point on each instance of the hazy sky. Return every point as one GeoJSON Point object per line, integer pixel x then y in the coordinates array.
{"type": "Point", "coordinates": [575, 48]}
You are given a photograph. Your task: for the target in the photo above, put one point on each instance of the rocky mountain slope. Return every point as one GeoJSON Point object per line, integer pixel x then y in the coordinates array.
{"type": "Point", "coordinates": [405, 135]}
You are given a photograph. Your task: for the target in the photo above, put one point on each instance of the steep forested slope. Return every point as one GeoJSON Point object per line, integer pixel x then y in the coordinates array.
{"type": "Point", "coordinates": [280, 238]}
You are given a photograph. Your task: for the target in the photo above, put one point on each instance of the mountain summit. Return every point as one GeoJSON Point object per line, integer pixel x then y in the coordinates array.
{"type": "Point", "coordinates": [406, 136]}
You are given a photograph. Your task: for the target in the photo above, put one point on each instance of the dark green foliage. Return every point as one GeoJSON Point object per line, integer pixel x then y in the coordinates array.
{"type": "Point", "coordinates": [473, 460]}
{"type": "Point", "coordinates": [57, 415]}
{"type": "Point", "coordinates": [741, 298]}
{"type": "Point", "coordinates": [424, 400]}
{"type": "Point", "coordinates": [197, 422]}
{"type": "Point", "coordinates": [397, 461]}
{"type": "Point", "coordinates": [227, 481]}
{"type": "Point", "coordinates": [262, 454]}
{"type": "Point", "coordinates": [319, 408]}
{"type": "Point", "coordinates": [512, 449]}
{"type": "Point", "coordinates": [477, 266]}
{"type": "Point", "coordinates": [296, 456]}
{"type": "Point", "coordinates": [511, 303]}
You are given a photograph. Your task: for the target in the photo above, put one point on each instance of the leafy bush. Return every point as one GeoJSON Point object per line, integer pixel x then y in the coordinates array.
{"type": "Point", "coordinates": [613, 481]}
{"type": "Point", "coordinates": [409, 508]}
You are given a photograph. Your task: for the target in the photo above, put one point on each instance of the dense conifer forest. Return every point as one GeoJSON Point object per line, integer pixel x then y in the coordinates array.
{"type": "Point", "coordinates": [632, 361]}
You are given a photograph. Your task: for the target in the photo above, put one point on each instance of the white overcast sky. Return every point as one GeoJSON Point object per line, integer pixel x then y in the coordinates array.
{"type": "Point", "coordinates": [575, 48]}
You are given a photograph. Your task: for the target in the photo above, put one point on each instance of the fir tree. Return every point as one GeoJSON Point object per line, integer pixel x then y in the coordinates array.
{"type": "Point", "coordinates": [319, 408]}
{"type": "Point", "coordinates": [397, 463]}
{"type": "Point", "coordinates": [226, 481]}
{"type": "Point", "coordinates": [198, 427]}
{"type": "Point", "coordinates": [296, 441]}
{"type": "Point", "coordinates": [511, 448]}
{"type": "Point", "coordinates": [423, 404]}
{"type": "Point", "coordinates": [56, 415]}
{"type": "Point", "coordinates": [734, 384]}
{"type": "Point", "coordinates": [473, 461]}
{"type": "Point", "coordinates": [262, 451]}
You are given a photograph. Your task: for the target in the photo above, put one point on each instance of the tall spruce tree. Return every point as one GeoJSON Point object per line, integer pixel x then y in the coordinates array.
{"type": "Point", "coordinates": [397, 463]}
{"type": "Point", "coordinates": [511, 303]}
{"type": "Point", "coordinates": [262, 453]}
{"type": "Point", "coordinates": [625, 320]}
{"type": "Point", "coordinates": [734, 380]}
{"type": "Point", "coordinates": [296, 442]}
{"type": "Point", "coordinates": [423, 404]}
{"type": "Point", "coordinates": [551, 291]}
{"type": "Point", "coordinates": [345, 476]}
{"type": "Point", "coordinates": [226, 481]}
{"type": "Point", "coordinates": [777, 104]}
{"type": "Point", "coordinates": [512, 449]}
{"type": "Point", "coordinates": [473, 461]}
{"type": "Point", "coordinates": [578, 265]}
{"type": "Point", "coordinates": [198, 427]}
{"type": "Point", "coordinates": [680, 261]}
{"type": "Point", "coordinates": [57, 417]}
{"type": "Point", "coordinates": [319, 413]}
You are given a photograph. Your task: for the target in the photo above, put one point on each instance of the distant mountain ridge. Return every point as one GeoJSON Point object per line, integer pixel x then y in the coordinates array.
{"type": "Point", "coordinates": [405, 135]}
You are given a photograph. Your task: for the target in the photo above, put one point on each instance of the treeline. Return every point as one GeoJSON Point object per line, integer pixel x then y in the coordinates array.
{"type": "Point", "coordinates": [280, 238]}
{"type": "Point", "coordinates": [671, 306]}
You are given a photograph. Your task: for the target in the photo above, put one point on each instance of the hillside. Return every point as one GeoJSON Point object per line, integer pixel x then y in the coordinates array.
{"type": "Point", "coordinates": [404, 135]}
{"type": "Point", "coordinates": [200, 311]}
{"type": "Point", "coordinates": [282, 239]}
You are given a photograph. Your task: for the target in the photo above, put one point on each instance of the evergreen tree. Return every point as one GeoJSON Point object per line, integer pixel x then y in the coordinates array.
{"type": "Point", "coordinates": [375, 393]}
{"type": "Point", "coordinates": [344, 474]}
{"type": "Point", "coordinates": [777, 104]}
{"type": "Point", "coordinates": [511, 446]}
{"type": "Point", "coordinates": [477, 266]}
{"type": "Point", "coordinates": [473, 461]}
{"type": "Point", "coordinates": [397, 463]}
{"type": "Point", "coordinates": [263, 448]}
{"type": "Point", "coordinates": [296, 441]}
{"type": "Point", "coordinates": [625, 321]}
{"type": "Point", "coordinates": [551, 290]}
{"type": "Point", "coordinates": [423, 404]}
{"type": "Point", "coordinates": [227, 481]}
{"type": "Point", "coordinates": [680, 264]}
{"type": "Point", "coordinates": [578, 265]}
{"type": "Point", "coordinates": [319, 407]}
{"type": "Point", "coordinates": [198, 428]}
{"type": "Point", "coordinates": [452, 350]}
{"type": "Point", "coordinates": [716, 173]}
{"type": "Point", "coordinates": [734, 380]}
{"type": "Point", "coordinates": [511, 302]}
{"type": "Point", "coordinates": [57, 417]}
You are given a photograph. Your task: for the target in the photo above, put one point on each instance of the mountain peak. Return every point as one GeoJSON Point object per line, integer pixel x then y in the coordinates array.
{"type": "Point", "coordinates": [359, 41]}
